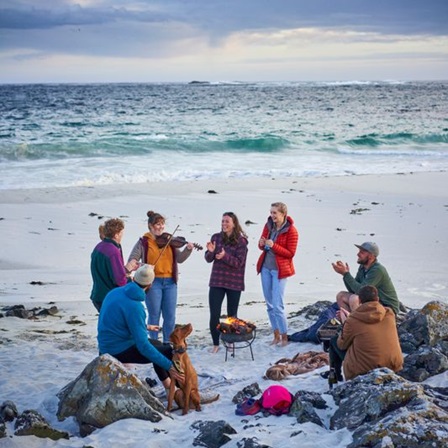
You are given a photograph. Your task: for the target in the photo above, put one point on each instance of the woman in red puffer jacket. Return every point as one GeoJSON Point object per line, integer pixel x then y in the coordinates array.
{"type": "Point", "coordinates": [278, 242]}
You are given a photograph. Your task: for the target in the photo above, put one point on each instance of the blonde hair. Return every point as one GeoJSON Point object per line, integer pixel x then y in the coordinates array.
{"type": "Point", "coordinates": [281, 207]}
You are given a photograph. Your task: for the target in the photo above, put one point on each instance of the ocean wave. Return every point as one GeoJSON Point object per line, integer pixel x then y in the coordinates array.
{"type": "Point", "coordinates": [376, 140]}
{"type": "Point", "coordinates": [137, 145]}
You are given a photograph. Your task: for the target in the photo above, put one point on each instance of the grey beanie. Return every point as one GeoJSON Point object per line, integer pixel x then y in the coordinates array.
{"type": "Point", "coordinates": [144, 275]}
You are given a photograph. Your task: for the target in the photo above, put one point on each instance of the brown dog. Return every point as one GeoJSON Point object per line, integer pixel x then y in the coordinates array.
{"type": "Point", "coordinates": [190, 390]}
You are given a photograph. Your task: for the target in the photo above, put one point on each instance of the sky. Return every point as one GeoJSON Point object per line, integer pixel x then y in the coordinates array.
{"type": "Point", "coordinates": [79, 41]}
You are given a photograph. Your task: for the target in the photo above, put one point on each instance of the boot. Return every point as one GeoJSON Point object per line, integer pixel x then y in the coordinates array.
{"type": "Point", "coordinates": [276, 338]}
{"type": "Point", "coordinates": [284, 340]}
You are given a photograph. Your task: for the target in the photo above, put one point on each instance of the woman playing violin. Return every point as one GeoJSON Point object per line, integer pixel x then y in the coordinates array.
{"type": "Point", "coordinates": [228, 251]}
{"type": "Point", "coordinates": [161, 298]}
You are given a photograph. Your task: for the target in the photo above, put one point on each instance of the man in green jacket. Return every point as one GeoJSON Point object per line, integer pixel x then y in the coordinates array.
{"type": "Point", "coordinates": [371, 273]}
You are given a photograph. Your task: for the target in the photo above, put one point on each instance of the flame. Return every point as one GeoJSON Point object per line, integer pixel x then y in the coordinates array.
{"type": "Point", "coordinates": [235, 325]}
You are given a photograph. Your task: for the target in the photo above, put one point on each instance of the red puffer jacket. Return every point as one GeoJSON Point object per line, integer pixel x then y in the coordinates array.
{"type": "Point", "coordinates": [284, 248]}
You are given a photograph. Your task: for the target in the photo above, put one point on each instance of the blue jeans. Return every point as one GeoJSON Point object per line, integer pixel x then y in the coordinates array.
{"type": "Point", "coordinates": [274, 291]}
{"type": "Point", "coordinates": [161, 299]}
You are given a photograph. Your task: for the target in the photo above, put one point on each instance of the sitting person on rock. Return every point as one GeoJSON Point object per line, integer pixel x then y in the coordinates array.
{"type": "Point", "coordinates": [122, 331]}
{"type": "Point", "coordinates": [368, 340]}
{"type": "Point", "coordinates": [370, 272]}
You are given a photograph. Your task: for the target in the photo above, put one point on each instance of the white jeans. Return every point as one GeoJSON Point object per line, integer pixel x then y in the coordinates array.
{"type": "Point", "coordinates": [274, 291]}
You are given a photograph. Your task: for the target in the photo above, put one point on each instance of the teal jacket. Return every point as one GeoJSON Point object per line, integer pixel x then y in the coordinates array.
{"type": "Point", "coordinates": [122, 324]}
{"type": "Point", "coordinates": [376, 276]}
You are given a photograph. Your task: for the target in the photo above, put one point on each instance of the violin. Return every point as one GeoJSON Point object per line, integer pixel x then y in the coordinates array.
{"type": "Point", "coordinates": [175, 242]}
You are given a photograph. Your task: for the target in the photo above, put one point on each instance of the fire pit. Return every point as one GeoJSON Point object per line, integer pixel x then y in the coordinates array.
{"type": "Point", "coordinates": [236, 334]}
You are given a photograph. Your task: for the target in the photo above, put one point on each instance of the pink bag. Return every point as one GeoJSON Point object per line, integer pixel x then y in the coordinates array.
{"type": "Point", "coordinates": [276, 400]}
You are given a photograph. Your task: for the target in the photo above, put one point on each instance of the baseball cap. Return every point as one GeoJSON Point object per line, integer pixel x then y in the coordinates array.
{"type": "Point", "coordinates": [369, 247]}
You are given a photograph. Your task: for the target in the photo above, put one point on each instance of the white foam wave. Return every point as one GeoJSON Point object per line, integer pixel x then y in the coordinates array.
{"type": "Point", "coordinates": [184, 167]}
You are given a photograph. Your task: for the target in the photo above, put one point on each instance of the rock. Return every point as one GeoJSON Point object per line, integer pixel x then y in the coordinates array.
{"type": "Point", "coordinates": [17, 311]}
{"type": "Point", "coordinates": [106, 392]}
{"type": "Point", "coordinates": [212, 434]}
{"type": "Point", "coordinates": [22, 313]}
{"type": "Point", "coordinates": [412, 427]}
{"type": "Point", "coordinates": [8, 411]}
{"type": "Point", "coordinates": [250, 443]}
{"type": "Point", "coordinates": [311, 397]}
{"type": "Point", "coordinates": [31, 423]}
{"type": "Point", "coordinates": [247, 392]}
{"type": "Point", "coordinates": [314, 310]}
{"type": "Point", "coordinates": [2, 428]}
{"type": "Point", "coordinates": [52, 311]}
{"type": "Point", "coordinates": [425, 327]}
{"type": "Point", "coordinates": [387, 411]}
{"type": "Point", "coordinates": [304, 412]}
{"type": "Point", "coordinates": [425, 362]}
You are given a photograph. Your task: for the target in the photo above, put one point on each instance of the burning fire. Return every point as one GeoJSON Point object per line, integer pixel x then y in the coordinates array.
{"type": "Point", "coordinates": [235, 326]}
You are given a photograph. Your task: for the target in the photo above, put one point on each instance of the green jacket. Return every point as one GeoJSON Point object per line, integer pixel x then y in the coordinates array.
{"type": "Point", "coordinates": [376, 276]}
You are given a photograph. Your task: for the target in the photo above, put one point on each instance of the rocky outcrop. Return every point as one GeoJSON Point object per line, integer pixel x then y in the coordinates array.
{"type": "Point", "coordinates": [106, 392]}
{"type": "Point", "coordinates": [427, 326]}
{"type": "Point", "coordinates": [382, 404]}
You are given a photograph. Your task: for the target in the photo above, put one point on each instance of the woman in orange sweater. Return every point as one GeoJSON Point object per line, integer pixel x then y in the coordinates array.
{"type": "Point", "coordinates": [161, 298]}
{"type": "Point", "coordinates": [278, 242]}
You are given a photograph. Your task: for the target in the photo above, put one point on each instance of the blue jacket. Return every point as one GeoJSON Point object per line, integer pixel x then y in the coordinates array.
{"type": "Point", "coordinates": [121, 325]}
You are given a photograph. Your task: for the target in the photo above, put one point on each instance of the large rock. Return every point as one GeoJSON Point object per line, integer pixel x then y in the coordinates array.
{"type": "Point", "coordinates": [382, 405]}
{"type": "Point", "coordinates": [425, 327]}
{"type": "Point", "coordinates": [106, 392]}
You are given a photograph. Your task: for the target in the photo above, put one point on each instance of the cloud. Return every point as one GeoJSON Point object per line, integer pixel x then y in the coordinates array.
{"type": "Point", "coordinates": [223, 31]}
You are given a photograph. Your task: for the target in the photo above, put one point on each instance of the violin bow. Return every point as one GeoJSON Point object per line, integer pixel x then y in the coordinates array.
{"type": "Point", "coordinates": [166, 245]}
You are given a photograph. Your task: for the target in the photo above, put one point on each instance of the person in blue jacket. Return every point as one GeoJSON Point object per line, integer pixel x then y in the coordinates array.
{"type": "Point", "coordinates": [122, 331]}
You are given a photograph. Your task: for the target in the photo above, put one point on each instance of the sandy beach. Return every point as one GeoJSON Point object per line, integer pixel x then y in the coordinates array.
{"type": "Point", "coordinates": [47, 237]}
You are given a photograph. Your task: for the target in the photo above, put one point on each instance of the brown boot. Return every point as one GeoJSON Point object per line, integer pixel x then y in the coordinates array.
{"type": "Point", "coordinates": [284, 340]}
{"type": "Point", "coordinates": [276, 338]}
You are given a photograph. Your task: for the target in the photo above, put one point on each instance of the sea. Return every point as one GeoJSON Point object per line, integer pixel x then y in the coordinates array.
{"type": "Point", "coordinates": [60, 135]}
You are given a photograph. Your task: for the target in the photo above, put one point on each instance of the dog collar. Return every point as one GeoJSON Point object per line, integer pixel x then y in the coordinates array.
{"type": "Point", "coordinates": [179, 350]}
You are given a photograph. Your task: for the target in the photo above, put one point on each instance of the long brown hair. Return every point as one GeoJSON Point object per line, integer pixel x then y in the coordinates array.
{"type": "Point", "coordinates": [236, 232]}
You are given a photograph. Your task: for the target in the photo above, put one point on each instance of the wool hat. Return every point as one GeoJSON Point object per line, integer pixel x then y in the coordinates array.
{"type": "Point", "coordinates": [369, 247]}
{"type": "Point", "coordinates": [144, 275]}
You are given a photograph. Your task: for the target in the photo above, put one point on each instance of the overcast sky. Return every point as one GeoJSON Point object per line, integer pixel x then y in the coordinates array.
{"type": "Point", "coordinates": [222, 40]}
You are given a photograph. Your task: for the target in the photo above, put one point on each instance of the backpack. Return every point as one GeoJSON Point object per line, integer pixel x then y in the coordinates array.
{"type": "Point", "coordinates": [276, 400]}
